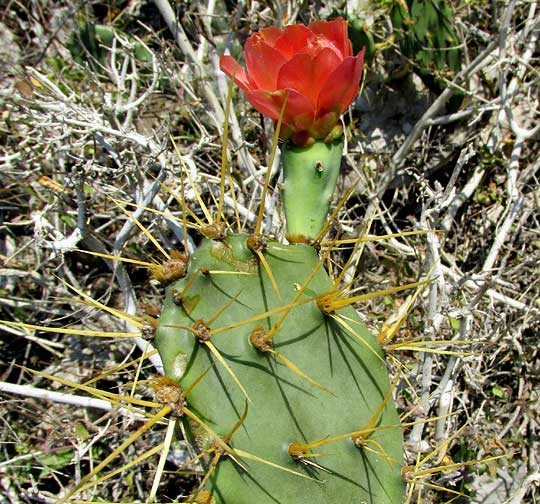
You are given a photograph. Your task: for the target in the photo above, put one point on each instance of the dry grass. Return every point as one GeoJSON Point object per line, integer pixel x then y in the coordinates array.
{"type": "Point", "coordinates": [80, 138]}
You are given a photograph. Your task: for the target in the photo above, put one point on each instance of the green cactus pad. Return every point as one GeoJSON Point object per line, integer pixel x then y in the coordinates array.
{"type": "Point", "coordinates": [227, 285]}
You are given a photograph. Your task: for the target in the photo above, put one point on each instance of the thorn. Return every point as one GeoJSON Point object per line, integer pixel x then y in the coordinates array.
{"type": "Point", "coordinates": [201, 331]}
{"type": "Point", "coordinates": [171, 270]}
{"type": "Point", "coordinates": [169, 393]}
{"type": "Point", "coordinates": [215, 231]}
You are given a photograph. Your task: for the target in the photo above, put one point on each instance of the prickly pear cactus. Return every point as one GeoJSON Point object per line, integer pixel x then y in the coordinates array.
{"type": "Point", "coordinates": [296, 387]}
{"type": "Point", "coordinates": [424, 32]}
{"type": "Point", "coordinates": [281, 388]}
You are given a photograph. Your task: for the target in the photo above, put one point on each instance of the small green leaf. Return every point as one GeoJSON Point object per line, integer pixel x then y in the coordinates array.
{"type": "Point", "coordinates": [67, 219]}
{"type": "Point", "coordinates": [454, 324]}
{"type": "Point", "coordinates": [388, 300]}
{"type": "Point", "coordinates": [498, 392]}
{"type": "Point", "coordinates": [55, 461]}
{"type": "Point", "coordinates": [82, 431]}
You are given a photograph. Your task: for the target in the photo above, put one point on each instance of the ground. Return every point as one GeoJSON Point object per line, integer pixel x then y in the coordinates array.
{"type": "Point", "coordinates": [112, 110]}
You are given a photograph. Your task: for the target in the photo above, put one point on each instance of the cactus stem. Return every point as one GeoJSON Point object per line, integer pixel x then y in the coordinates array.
{"type": "Point", "coordinates": [197, 380]}
{"type": "Point", "coordinates": [221, 447]}
{"type": "Point", "coordinates": [257, 244]}
{"type": "Point", "coordinates": [271, 277]}
{"type": "Point", "coordinates": [223, 308]}
{"type": "Point", "coordinates": [217, 439]}
{"type": "Point", "coordinates": [299, 455]}
{"type": "Point", "coordinates": [238, 423]}
{"type": "Point", "coordinates": [205, 271]}
{"type": "Point", "coordinates": [203, 334]}
{"type": "Point", "coordinates": [362, 438]}
{"type": "Point", "coordinates": [309, 179]}
{"type": "Point", "coordinates": [379, 451]}
{"type": "Point", "coordinates": [359, 437]}
{"type": "Point", "coordinates": [284, 315]}
{"type": "Point", "coordinates": [298, 450]}
{"type": "Point", "coordinates": [255, 458]}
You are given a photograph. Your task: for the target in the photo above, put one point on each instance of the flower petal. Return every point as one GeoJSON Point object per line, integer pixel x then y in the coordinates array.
{"type": "Point", "coordinates": [231, 67]}
{"type": "Point", "coordinates": [306, 75]}
{"type": "Point", "coordinates": [299, 112]}
{"type": "Point", "coordinates": [270, 34]}
{"type": "Point", "coordinates": [336, 32]}
{"type": "Point", "coordinates": [341, 87]}
{"type": "Point", "coordinates": [293, 40]}
{"type": "Point", "coordinates": [263, 61]}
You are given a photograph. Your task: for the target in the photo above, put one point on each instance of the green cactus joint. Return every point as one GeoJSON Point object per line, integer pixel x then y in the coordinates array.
{"type": "Point", "coordinates": [309, 180]}
{"type": "Point", "coordinates": [319, 426]}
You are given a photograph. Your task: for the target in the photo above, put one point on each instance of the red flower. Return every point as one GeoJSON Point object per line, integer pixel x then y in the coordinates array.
{"type": "Point", "coordinates": [313, 66]}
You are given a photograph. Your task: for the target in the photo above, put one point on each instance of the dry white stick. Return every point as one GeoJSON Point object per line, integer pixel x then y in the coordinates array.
{"type": "Point", "coordinates": [61, 397]}
{"type": "Point", "coordinates": [462, 196]}
{"type": "Point", "coordinates": [181, 39]}
{"type": "Point", "coordinates": [438, 298]}
{"type": "Point", "coordinates": [90, 121]}
{"type": "Point", "coordinates": [530, 480]}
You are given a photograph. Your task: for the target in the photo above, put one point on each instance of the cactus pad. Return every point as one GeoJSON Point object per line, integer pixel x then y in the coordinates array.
{"type": "Point", "coordinates": [287, 376]}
